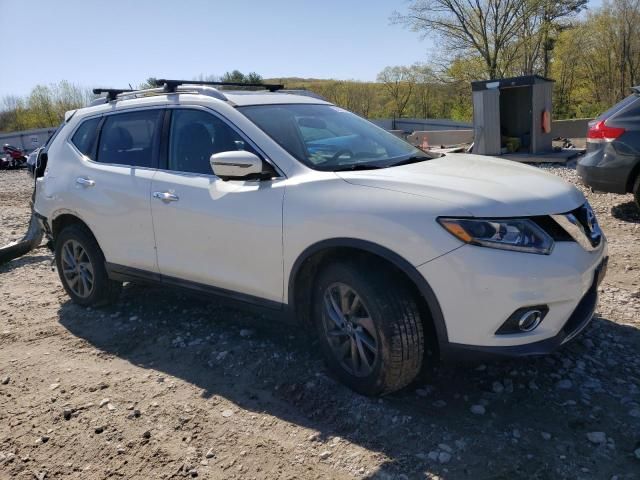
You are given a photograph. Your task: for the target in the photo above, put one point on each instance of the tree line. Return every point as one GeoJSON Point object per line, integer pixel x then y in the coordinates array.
{"type": "Point", "coordinates": [593, 56]}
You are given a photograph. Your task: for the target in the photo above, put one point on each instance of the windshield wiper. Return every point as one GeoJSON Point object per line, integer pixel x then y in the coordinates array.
{"type": "Point", "coordinates": [356, 166]}
{"type": "Point", "coordinates": [413, 159]}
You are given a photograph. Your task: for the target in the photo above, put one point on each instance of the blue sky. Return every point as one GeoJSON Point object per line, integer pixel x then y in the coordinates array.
{"type": "Point", "coordinates": [113, 43]}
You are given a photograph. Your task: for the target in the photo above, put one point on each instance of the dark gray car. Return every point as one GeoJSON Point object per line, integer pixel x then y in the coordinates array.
{"type": "Point", "coordinates": [612, 161]}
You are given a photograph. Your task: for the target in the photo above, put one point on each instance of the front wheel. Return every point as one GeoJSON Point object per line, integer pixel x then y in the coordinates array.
{"type": "Point", "coordinates": [369, 327]}
{"type": "Point", "coordinates": [636, 191]}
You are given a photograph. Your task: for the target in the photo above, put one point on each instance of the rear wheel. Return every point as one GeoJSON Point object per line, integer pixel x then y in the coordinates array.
{"type": "Point", "coordinates": [82, 270]}
{"type": "Point", "coordinates": [369, 327]}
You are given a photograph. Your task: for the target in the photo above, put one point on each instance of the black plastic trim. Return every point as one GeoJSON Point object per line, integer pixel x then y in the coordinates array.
{"type": "Point", "coordinates": [123, 274]}
{"type": "Point", "coordinates": [163, 157]}
{"type": "Point", "coordinates": [403, 265]}
{"type": "Point", "coordinates": [112, 93]}
{"type": "Point", "coordinates": [510, 326]}
{"type": "Point", "coordinates": [44, 222]}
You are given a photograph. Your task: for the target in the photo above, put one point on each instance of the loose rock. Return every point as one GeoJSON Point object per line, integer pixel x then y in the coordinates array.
{"type": "Point", "coordinates": [597, 437]}
{"type": "Point", "coordinates": [478, 410]}
{"type": "Point", "coordinates": [444, 457]}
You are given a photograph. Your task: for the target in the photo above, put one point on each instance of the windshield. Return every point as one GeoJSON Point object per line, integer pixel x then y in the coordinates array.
{"type": "Point", "coordinates": [325, 137]}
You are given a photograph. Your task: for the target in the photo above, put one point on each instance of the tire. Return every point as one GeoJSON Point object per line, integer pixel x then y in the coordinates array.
{"type": "Point", "coordinates": [636, 191]}
{"type": "Point", "coordinates": [383, 327]}
{"type": "Point", "coordinates": [90, 265]}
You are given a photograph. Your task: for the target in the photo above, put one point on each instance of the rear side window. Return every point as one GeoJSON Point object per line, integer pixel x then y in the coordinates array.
{"type": "Point", "coordinates": [130, 138]}
{"type": "Point", "coordinates": [85, 137]}
{"type": "Point", "coordinates": [618, 107]}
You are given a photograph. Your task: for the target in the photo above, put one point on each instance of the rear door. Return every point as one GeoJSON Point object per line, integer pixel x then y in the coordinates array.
{"type": "Point", "coordinates": [112, 183]}
{"type": "Point", "coordinates": [226, 235]}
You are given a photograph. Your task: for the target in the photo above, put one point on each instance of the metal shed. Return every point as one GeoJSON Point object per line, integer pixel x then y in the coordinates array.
{"type": "Point", "coordinates": [512, 115]}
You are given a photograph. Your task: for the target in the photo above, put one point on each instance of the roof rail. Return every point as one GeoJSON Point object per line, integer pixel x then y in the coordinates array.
{"type": "Point", "coordinates": [171, 85]}
{"type": "Point", "coordinates": [112, 93]}
{"type": "Point", "coordinates": [305, 93]}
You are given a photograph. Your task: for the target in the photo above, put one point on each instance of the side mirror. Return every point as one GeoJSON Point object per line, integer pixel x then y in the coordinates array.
{"type": "Point", "coordinates": [236, 165]}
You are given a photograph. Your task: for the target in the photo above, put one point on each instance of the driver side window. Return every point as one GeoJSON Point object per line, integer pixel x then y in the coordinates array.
{"type": "Point", "coordinates": [195, 136]}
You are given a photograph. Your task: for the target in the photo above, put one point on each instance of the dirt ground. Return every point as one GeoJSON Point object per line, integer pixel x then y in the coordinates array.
{"type": "Point", "coordinates": [165, 385]}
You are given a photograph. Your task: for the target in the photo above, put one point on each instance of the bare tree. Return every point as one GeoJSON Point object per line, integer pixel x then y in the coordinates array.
{"type": "Point", "coordinates": [627, 33]}
{"type": "Point", "coordinates": [540, 23]}
{"type": "Point", "coordinates": [484, 27]}
{"type": "Point", "coordinates": [500, 31]}
{"type": "Point", "coordinates": [399, 83]}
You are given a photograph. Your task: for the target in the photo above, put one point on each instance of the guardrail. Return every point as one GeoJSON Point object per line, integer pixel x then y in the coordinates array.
{"type": "Point", "coordinates": [437, 138]}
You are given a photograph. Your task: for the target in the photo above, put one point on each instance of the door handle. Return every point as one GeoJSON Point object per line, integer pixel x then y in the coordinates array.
{"type": "Point", "coordinates": [85, 182]}
{"type": "Point", "coordinates": [166, 196]}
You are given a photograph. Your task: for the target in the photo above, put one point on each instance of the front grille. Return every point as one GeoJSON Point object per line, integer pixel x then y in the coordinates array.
{"type": "Point", "coordinates": [582, 226]}
{"type": "Point", "coordinates": [553, 228]}
{"type": "Point", "coordinates": [587, 219]}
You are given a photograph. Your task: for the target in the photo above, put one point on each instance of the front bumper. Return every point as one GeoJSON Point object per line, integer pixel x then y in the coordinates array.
{"type": "Point", "coordinates": [479, 288]}
{"type": "Point", "coordinates": [579, 319]}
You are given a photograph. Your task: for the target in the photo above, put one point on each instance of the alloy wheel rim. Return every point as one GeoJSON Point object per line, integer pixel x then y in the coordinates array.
{"type": "Point", "coordinates": [77, 268]}
{"type": "Point", "coordinates": [349, 329]}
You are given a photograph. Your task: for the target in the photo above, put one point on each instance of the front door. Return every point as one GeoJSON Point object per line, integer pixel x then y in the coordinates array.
{"type": "Point", "coordinates": [224, 234]}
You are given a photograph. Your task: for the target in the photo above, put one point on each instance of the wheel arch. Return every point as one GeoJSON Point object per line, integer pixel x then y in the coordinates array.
{"type": "Point", "coordinates": [631, 180]}
{"type": "Point", "coordinates": [65, 219]}
{"type": "Point", "coordinates": [313, 257]}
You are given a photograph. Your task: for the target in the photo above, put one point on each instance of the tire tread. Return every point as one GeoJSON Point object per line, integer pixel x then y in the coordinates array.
{"type": "Point", "coordinates": [107, 290]}
{"type": "Point", "coordinates": [402, 327]}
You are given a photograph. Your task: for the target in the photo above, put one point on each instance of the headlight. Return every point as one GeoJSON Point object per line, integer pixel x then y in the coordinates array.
{"type": "Point", "coordinates": [519, 234]}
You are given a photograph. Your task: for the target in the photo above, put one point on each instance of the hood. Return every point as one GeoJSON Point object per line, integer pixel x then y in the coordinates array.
{"type": "Point", "coordinates": [483, 186]}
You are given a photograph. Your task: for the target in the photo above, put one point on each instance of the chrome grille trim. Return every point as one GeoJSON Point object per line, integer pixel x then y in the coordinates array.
{"type": "Point", "coordinates": [587, 234]}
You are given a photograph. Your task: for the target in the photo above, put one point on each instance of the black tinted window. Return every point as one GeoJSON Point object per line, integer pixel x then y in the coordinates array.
{"type": "Point", "coordinates": [195, 136]}
{"type": "Point", "coordinates": [85, 136]}
{"type": "Point", "coordinates": [129, 138]}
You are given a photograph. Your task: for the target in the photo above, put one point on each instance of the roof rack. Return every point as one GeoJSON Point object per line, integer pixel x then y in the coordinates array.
{"type": "Point", "coordinates": [305, 93]}
{"type": "Point", "coordinates": [183, 86]}
{"type": "Point", "coordinates": [112, 93]}
{"type": "Point", "coordinates": [171, 85]}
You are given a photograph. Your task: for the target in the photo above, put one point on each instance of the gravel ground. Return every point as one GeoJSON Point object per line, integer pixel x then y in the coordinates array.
{"type": "Point", "coordinates": [164, 385]}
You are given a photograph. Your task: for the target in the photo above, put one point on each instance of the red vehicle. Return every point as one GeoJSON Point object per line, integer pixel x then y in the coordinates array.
{"type": "Point", "coordinates": [15, 158]}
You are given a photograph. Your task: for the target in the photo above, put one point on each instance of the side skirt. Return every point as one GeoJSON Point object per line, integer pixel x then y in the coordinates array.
{"type": "Point", "coordinates": [237, 299]}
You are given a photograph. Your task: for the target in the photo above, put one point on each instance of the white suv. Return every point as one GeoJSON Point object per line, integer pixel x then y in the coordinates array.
{"type": "Point", "coordinates": [284, 201]}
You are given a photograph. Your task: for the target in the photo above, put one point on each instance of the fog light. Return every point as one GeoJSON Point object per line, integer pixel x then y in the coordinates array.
{"type": "Point", "coordinates": [529, 320]}
{"type": "Point", "coordinates": [523, 320]}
